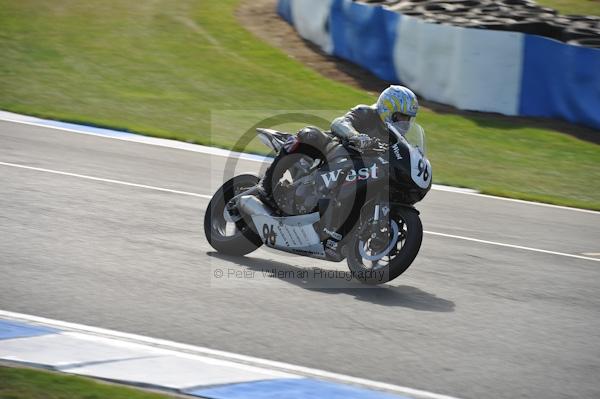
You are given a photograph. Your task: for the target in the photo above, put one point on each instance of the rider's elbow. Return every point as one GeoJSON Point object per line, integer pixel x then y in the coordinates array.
{"type": "Point", "coordinates": [341, 128]}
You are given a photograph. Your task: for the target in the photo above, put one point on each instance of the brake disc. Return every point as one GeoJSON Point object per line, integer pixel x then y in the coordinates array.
{"type": "Point", "coordinates": [386, 250]}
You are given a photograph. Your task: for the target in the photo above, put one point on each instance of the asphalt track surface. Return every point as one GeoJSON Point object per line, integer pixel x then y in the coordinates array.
{"type": "Point", "coordinates": [469, 319]}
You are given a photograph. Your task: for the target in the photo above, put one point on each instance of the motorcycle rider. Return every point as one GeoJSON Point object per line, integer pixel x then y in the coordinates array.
{"type": "Point", "coordinates": [360, 127]}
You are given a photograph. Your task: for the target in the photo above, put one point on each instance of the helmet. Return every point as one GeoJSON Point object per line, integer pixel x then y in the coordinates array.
{"type": "Point", "coordinates": [398, 106]}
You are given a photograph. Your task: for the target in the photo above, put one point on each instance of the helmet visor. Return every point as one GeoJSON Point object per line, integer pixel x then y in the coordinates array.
{"type": "Point", "coordinates": [402, 122]}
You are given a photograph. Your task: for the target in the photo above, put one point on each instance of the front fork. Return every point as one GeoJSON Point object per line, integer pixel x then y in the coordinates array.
{"type": "Point", "coordinates": [381, 212]}
{"type": "Point", "coordinates": [379, 219]}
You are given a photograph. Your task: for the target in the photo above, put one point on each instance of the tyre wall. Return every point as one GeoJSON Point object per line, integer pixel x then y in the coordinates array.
{"type": "Point", "coordinates": [472, 69]}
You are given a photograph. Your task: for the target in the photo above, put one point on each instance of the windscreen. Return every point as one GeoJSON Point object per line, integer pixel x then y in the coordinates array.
{"type": "Point", "coordinates": [416, 138]}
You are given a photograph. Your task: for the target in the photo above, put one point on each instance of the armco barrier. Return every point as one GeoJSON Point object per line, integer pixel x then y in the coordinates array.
{"type": "Point", "coordinates": [473, 69]}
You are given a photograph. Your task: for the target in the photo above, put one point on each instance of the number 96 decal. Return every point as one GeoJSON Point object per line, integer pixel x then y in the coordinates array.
{"type": "Point", "coordinates": [270, 237]}
{"type": "Point", "coordinates": [420, 168]}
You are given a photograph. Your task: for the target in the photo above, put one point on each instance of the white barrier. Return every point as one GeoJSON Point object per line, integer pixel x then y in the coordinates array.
{"type": "Point", "coordinates": [311, 18]}
{"type": "Point", "coordinates": [467, 68]}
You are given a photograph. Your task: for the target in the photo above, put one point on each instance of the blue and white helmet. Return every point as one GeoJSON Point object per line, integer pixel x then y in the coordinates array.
{"type": "Point", "coordinates": [398, 106]}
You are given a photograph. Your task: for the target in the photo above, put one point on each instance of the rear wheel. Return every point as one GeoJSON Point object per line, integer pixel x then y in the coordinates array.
{"type": "Point", "coordinates": [380, 252]}
{"type": "Point", "coordinates": [224, 235]}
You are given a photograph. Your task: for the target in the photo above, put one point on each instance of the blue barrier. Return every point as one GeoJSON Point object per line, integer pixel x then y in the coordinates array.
{"type": "Point", "coordinates": [284, 10]}
{"type": "Point", "coordinates": [560, 80]}
{"type": "Point", "coordinates": [364, 35]}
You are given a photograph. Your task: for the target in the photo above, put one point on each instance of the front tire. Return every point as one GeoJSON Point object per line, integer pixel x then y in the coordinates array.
{"type": "Point", "coordinates": [390, 258]}
{"type": "Point", "coordinates": [228, 237]}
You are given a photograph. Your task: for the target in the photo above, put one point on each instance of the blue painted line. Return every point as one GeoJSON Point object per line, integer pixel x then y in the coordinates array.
{"type": "Point", "coordinates": [12, 329]}
{"type": "Point", "coordinates": [84, 128]}
{"type": "Point", "coordinates": [290, 388]}
{"type": "Point", "coordinates": [138, 138]}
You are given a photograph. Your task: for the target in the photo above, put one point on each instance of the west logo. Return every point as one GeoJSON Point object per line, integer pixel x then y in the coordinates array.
{"type": "Point", "coordinates": [396, 151]}
{"type": "Point", "coordinates": [361, 174]}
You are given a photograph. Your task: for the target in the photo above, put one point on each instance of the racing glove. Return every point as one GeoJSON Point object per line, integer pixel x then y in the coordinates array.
{"type": "Point", "coordinates": [361, 141]}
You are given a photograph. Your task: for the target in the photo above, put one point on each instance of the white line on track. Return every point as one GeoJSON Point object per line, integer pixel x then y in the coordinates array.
{"type": "Point", "coordinates": [544, 251]}
{"type": "Point", "coordinates": [136, 138]}
{"type": "Point", "coordinates": [124, 183]}
{"type": "Point", "coordinates": [249, 360]}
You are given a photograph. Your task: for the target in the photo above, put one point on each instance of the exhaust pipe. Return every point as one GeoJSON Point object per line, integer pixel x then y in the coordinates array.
{"type": "Point", "coordinates": [252, 206]}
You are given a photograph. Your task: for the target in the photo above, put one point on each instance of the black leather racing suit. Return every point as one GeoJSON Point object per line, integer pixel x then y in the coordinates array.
{"type": "Point", "coordinates": [360, 119]}
{"type": "Point", "coordinates": [312, 141]}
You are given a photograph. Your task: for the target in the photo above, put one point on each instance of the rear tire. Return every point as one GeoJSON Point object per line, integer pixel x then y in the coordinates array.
{"type": "Point", "coordinates": [406, 249]}
{"type": "Point", "coordinates": [241, 239]}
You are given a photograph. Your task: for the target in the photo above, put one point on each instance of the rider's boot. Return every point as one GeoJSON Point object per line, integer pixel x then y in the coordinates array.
{"type": "Point", "coordinates": [264, 190]}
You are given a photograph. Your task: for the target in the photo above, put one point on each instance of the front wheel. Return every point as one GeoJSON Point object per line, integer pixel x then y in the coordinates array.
{"type": "Point", "coordinates": [224, 235]}
{"type": "Point", "coordinates": [379, 252]}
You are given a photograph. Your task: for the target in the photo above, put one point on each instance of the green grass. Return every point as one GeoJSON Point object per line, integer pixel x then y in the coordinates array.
{"type": "Point", "coordinates": [161, 68]}
{"type": "Point", "coordinates": [573, 7]}
{"type": "Point", "coordinates": [19, 383]}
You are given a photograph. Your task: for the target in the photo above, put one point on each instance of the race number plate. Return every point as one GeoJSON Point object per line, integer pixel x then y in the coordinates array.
{"type": "Point", "coordinates": [420, 168]}
{"type": "Point", "coordinates": [293, 233]}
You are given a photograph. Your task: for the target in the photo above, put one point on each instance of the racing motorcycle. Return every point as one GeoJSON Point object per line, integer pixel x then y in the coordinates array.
{"type": "Point", "coordinates": [346, 203]}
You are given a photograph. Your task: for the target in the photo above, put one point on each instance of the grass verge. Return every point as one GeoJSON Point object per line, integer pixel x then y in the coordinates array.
{"type": "Point", "coordinates": [573, 7]}
{"type": "Point", "coordinates": [22, 383]}
{"type": "Point", "coordinates": [160, 68]}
